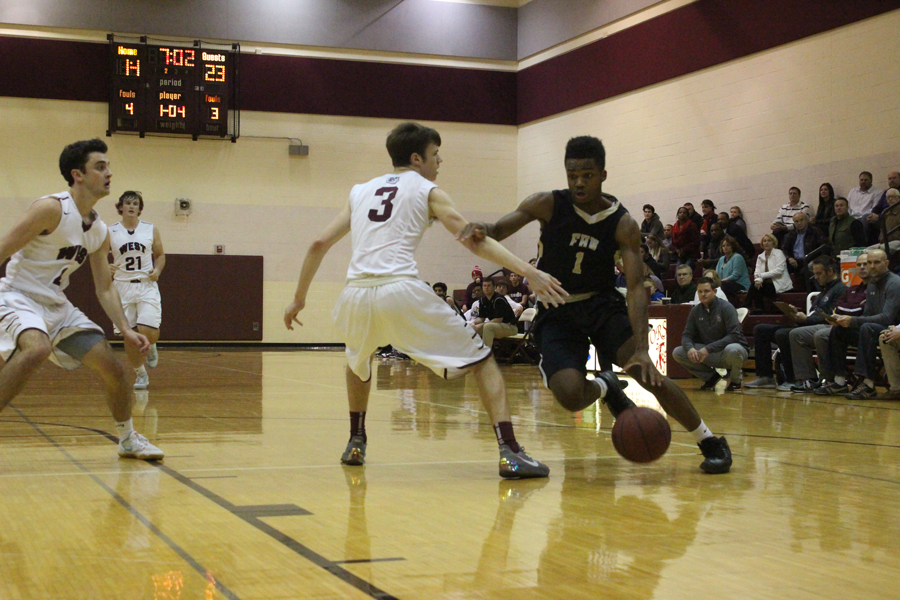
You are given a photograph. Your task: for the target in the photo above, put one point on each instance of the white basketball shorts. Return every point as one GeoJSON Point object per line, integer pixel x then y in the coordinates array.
{"type": "Point", "coordinates": [141, 303]}
{"type": "Point", "coordinates": [409, 316]}
{"type": "Point", "coordinates": [19, 313]}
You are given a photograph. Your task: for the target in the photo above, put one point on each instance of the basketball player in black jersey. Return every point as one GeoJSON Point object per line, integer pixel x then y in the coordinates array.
{"type": "Point", "coordinates": [581, 230]}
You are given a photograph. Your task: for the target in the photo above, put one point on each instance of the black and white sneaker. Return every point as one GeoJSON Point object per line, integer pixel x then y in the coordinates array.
{"type": "Point", "coordinates": [717, 455]}
{"type": "Point", "coordinates": [615, 398]}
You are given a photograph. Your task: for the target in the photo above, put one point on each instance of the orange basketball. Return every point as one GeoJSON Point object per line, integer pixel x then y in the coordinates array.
{"type": "Point", "coordinates": [641, 434]}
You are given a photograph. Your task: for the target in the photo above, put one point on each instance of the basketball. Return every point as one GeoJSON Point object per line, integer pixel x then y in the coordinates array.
{"type": "Point", "coordinates": [641, 434]}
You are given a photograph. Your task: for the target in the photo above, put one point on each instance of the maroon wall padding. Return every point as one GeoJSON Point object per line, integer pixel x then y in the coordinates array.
{"type": "Point", "coordinates": [700, 35]}
{"type": "Point", "coordinates": [53, 69]}
{"type": "Point", "coordinates": [204, 298]}
{"type": "Point", "coordinates": [369, 89]}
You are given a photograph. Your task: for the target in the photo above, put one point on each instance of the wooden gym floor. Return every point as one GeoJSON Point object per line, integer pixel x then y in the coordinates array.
{"type": "Point", "coordinates": [251, 501]}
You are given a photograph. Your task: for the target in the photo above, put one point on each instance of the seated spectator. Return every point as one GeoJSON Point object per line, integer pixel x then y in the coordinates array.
{"type": "Point", "coordinates": [685, 239]}
{"type": "Point", "coordinates": [784, 222]}
{"type": "Point", "coordinates": [653, 283]}
{"type": "Point", "coordinates": [659, 253]}
{"type": "Point", "coordinates": [533, 262]}
{"type": "Point", "coordinates": [651, 225]}
{"type": "Point", "coordinates": [686, 289]}
{"type": "Point", "coordinates": [717, 284]}
{"type": "Point", "coordinates": [845, 232]}
{"type": "Point", "coordinates": [882, 308]}
{"type": "Point", "coordinates": [770, 277]}
{"type": "Point", "coordinates": [440, 288]}
{"type": "Point", "coordinates": [502, 288]}
{"type": "Point", "coordinates": [812, 338]}
{"type": "Point", "coordinates": [712, 339]}
{"type": "Point", "coordinates": [472, 314]}
{"type": "Point", "coordinates": [657, 269]}
{"type": "Point", "coordinates": [708, 210]}
{"type": "Point", "coordinates": [495, 317]}
{"type": "Point", "coordinates": [737, 217]}
{"type": "Point", "coordinates": [731, 227]}
{"type": "Point", "coordinates": [891, 218]}
{"type": "Point", "coordinates": [667, 238]}
{"type": "Point", "coordinates": [693, 215]}
{"type": "Point", "coordinates": [801, 245]}
{"type": "Point", "coordinates": [476, 280]}
{"type": "Point", "coordinates": [862, 201]}
{"type": "Point", "coordinates": [732, 269]}
{"type": "Point", "coordinates": [825, 210]}
{"type": "Point", "coordinates": [518, 291]}
{"type": "Point", "coordinates": [893, 183]}
{"type": "Point", "coordinates": [831, 290]}
{"type": "Point", "coordinates": [889, 343]}
{"type": "Point", "coordinates": [714, 248]}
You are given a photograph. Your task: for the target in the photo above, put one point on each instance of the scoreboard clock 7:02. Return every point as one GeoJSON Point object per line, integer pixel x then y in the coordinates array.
{"type": "Point", "coordinates": [174, 89]}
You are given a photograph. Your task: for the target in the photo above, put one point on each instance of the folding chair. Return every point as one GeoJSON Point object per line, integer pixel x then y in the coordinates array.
{"type": "Point", "coordinates": [524, 341]}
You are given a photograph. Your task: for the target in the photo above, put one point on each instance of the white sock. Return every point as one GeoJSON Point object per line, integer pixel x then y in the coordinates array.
{"type": "Point", "coordinates": [603, 387]}
{"type": "Point", "coordinates": [124, 429]}
{"type": "Point", "coordinates": [702, 432]}
{"type": "Point", "coordinates": [840, 380]}
{"type": "Point", "coordinates": [141, 370]}
{"type": "Point", "coordinates": [869, 383]}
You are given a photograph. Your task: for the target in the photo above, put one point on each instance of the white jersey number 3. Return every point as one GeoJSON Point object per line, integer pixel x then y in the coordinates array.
{"type": "Point", "coordinates": [383, 212]}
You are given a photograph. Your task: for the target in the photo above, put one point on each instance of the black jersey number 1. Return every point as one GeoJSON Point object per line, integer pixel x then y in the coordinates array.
{"type": "Point", "coordinates": [383, 212]}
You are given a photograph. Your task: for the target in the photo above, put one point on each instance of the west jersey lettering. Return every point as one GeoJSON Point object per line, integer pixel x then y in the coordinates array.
{"type": "Point", "coordinates": [582, 240]}
{"type": "Point", "coordinates": [77, 252]}
{"type": "Point", "coordinates": [132, 246]}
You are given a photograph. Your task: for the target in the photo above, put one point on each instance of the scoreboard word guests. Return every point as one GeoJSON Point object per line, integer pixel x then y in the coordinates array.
{"type": "Point", "coordinates": [173, 89]}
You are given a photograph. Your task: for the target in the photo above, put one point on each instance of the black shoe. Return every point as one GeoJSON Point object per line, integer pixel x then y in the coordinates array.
{"type": "Point", "coordinates": [806, 387]}
{"type": "Point", "coordinates": [717, 455]}
{"type": "Point", "coordinates": [615, 398]}
{"type": "Point", "coordinates": [734, 386]}
{"type": "Point", "coordinates": [710, 383]}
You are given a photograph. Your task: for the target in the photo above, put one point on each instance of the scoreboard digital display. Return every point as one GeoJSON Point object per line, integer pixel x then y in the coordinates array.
{"type": "Point", "coordinates": [174, 89]}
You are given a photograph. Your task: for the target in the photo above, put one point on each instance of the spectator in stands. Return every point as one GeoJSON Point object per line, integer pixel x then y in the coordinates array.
{"type": "Point", "coordinates": [472, 314]}
{"type": "Point", "coordinates": [693, 215]}
{"type": "Point", "coordinates": [825, 210]}
{"type": "Point", "coordinates": [714, 247]}
{"type": "Point", "coordinates": [801, 245]}
{"type": "Point", "coordinates": [502, 289]}
{"type": "Point", "coordinates": [686, 289]}
{"type": "Point", "coordinates": [814, 329]}
{"type": "Point", "coordinates": [893, 183]}
{"type": "Point", "coordinates": [891, 218]}
{"type": "Point", "coordinates": [845, 232]}
{"type": "Point", "coordinates": [864, 197]}
{"type": "Point", "coordinates": [731, 227]}
{"type": "Point", "coordinates": [709, 217]}
{"type": "Point", "coordinates": [712, 339]}
{"type": "Point", "coordinates": [518, 291]}
{"type": "Point", "coordinates": [882, 308]}
{"type": "Point", "coordinates": [717, 285]}
{"type": "Point", "coordinates": [685, 238]}
{"type": "Point", "coordinates": [889, 342]}
{"type": "Point", "coordinates": [659, 253]}
{"type": "Point", "coordinates": [732, 269]}
{"type": "Point", "coordinates": [476, 280]}
{"type": "Point", "coordinates": [769, 278]}
{"type": "Point", "coordinates": [440, 288]}
{"type": "Point", "coordinates": [495, 317]}
{"type": "Point", "coordinates": [737, 217]}
{"type": "Point", "coordinates": [784, 222]}
{"type": "Point", "coordinates": [651, 223]}
{"type": "Point", "coordinates": [765, 334]}
{"type": "Point", "coordinates": [667, 238]}
{"type": "Point", "coordinates": [657, 269]}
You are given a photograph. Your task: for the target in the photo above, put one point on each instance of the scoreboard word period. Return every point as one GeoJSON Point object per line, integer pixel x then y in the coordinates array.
{"type": "Point", "coordinates": [174, 89]}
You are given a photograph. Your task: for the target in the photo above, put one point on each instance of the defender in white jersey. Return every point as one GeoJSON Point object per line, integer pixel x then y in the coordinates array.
{"type": "Point", "coordinates": [386, 303]}
{"type": "Point", "coordinates": [138, 261]}
{"type": "Point", "coordinates": [55, 236]}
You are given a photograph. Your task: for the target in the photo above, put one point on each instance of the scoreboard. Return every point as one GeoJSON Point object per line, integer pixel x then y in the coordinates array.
{"type": "Point", "coordinates": [174, 89]}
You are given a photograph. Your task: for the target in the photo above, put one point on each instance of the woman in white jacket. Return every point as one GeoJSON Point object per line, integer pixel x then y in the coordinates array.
{"type": "Point", "coordinates": [771, 277]}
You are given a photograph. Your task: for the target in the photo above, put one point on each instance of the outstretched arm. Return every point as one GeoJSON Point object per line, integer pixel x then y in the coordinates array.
{"type": "Point", "coordinates": [110, 300]}
{"type": "Point", "coordinates": [537, 207]}
{"type": "Point", "coordinates": [628, 237]}
{"type": "Point", "coordinates": [546, 286]}
{"type": "Point", "coordinates": [337, 229]}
